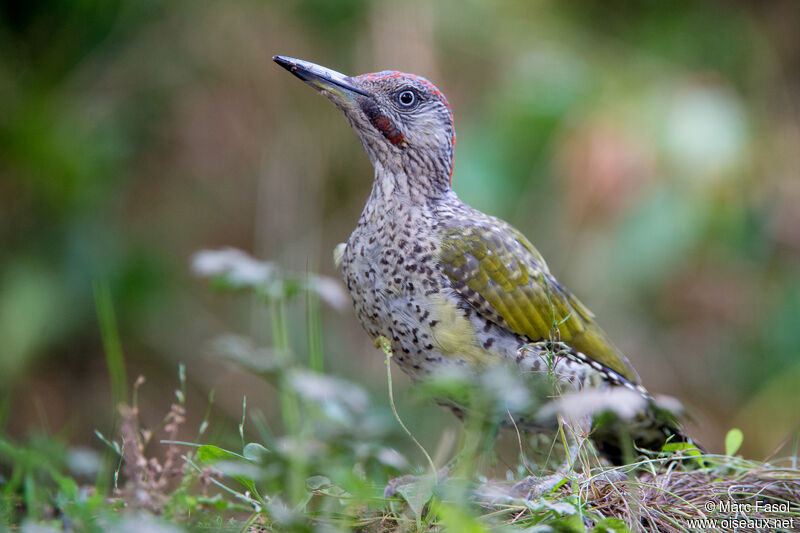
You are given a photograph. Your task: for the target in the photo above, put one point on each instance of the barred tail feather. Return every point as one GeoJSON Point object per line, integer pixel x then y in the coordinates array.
{"type": "Point", "coordinates": [621, 441]}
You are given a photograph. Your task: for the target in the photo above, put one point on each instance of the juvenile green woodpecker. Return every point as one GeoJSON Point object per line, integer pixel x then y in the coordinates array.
{"type": "Point", "coordinates": [446, 284]}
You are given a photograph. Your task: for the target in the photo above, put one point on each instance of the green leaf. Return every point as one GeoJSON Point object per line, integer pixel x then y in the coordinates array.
{"type": "Point", "coordinates": [209, 453]}
{"type": "Point", "coordinates": [559, 508]}
{"type": "Point", "coordinates": [568, 524]}
{"type": "Point", "coordinates": [733, 441]}
{"type": "Point", "coordinates": [255, 452]}
{"type": "Point", "coordinates": [68, 486]}
{"type": "Point", "coordinates": [456, 520]}
{"type": "Point", "coordinates": [611, 525]}
{"type": "Point", "coordinates": [317, 482]}
{"type": "Point", "coordinates": [417, 494]}
{"type": "Point", "coordinates": [686, 447]}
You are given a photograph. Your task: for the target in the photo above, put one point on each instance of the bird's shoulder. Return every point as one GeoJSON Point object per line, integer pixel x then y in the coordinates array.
{"type": "Point", "coordinates": [466, 233]}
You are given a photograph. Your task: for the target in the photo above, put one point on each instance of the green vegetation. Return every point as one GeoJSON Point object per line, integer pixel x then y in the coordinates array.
{"type": "Point", "coordinates": [331, 466]}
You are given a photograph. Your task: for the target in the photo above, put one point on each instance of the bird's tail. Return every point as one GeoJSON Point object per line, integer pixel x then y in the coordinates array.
{"type": "Point", "coordinates": [655, 429]}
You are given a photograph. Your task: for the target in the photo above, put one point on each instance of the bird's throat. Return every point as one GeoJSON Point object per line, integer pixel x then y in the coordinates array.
{"type": "Point", "coordinates": [398, 184]}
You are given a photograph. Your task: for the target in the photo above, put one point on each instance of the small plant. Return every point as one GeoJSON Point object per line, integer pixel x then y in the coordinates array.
{"type": "Point", "coordinates": [333, 465]}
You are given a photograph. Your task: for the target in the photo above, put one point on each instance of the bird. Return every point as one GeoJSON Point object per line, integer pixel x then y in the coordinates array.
{"type": "Point", "coordinates": [447, 285]}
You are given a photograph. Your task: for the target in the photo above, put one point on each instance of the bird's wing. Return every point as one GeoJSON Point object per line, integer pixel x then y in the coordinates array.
{"type": "Point", "coordinates": [499, 272]}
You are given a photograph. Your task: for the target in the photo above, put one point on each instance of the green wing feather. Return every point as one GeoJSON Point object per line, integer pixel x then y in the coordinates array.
{"type": "Point", "coordinates": [497, 270]}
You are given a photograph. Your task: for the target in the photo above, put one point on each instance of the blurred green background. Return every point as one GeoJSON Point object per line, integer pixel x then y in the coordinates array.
{"type": "Point", "coordinates": [650, 150]}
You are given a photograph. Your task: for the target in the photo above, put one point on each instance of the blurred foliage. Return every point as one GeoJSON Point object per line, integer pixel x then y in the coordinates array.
{"type": "Point", "coordinates": [649, 150]}
{"type": "Point", "coordinates": [329, 464]}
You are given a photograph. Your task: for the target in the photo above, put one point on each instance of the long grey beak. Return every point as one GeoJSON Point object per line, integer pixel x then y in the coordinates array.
{"type": "Point", "coordinates": [319, 76]}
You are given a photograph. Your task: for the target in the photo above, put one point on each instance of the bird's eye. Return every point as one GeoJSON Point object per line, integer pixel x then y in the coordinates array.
{"type": "Point", "coordinates": [406, 98]}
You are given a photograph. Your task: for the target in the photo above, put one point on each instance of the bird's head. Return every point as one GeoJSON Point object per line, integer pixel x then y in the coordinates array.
{"type": "Point", "coordinates": [403, 121]}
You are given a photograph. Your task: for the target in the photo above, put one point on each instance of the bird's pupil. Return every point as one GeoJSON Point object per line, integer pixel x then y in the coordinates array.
{"type": "Point", "coordinates": [406, 97]}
